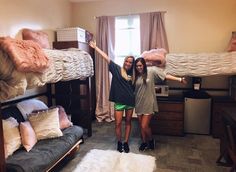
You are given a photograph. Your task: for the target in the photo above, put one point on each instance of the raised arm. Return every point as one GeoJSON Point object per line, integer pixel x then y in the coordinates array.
{"type": "Point", "coordinates": [103, 54]}
{"type": "Point", "coordinates": [175, 78]}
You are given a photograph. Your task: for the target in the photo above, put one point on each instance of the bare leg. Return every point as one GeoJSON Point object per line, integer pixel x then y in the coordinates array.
{"type": "Point", "coordinates": [140, 117]}
{"type": "Point", "coordinates": [128, 118]}
{"type": "Point", "coordinates": [147, 133]}
{"type": "Point", "coordinates": [118, 121]}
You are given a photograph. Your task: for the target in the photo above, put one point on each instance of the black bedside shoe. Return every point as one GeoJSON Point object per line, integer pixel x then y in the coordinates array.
{"type": "Point", "coordinates": [126, 147]}
{"type": "Point", "coordinates": [119, 146]}
{"type": "Point", "coordinates": [143, 146]}
{"type": "Point", "coordinates": [151, 144]}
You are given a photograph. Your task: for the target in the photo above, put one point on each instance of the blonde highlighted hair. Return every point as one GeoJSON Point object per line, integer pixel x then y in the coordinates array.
{"type": "Point", "coordinates": [125, 74]}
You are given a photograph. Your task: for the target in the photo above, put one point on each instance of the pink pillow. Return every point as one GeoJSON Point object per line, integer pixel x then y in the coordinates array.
{"type": "Point", "coordinates": [155, 57]}
{"type": "Point", "coordinates": [26, 55]}
{"type": "Point", "coordinates": [232, 44]}
{"type": "Point", "coordinates": [28, 137]}
{"type": "Point", "coordinates": [37, 36]}
{"type": "Point", "coordinates": [63, 118]}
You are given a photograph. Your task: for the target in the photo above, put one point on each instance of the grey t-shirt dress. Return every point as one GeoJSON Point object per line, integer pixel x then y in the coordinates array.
{"type": "Point", "coordinates": [145, 97]}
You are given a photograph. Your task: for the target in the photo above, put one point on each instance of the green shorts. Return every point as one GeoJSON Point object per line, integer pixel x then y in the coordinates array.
{"type": "Point", "coordinates": [121, 107]}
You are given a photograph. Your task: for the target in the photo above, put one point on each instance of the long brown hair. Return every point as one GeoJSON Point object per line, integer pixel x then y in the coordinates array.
{"type": "Point", "coordinates": [144, 74]}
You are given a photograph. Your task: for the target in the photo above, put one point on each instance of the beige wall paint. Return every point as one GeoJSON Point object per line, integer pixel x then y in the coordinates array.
{"type": "Point", "coordinates": [191, 25]}
{"type": "Point", "coordinates": [35, 14]}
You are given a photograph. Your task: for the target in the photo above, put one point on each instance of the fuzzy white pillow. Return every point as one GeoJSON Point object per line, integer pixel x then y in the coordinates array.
{"type": "Point", "coordinates": [45, 124]}
{"type": "Point", "coordinates": [28, 106]}
{"type": "Point", "coordinates": [12, 139]}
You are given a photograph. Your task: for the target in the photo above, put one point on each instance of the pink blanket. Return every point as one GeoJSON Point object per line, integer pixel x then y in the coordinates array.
{"type": "Point", "coordinates": [26, 55]}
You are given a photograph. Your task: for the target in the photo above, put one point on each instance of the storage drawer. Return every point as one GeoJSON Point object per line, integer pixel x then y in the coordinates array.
{"type": "Point", "coordinates": [174, 116]}
{"type": "Point", "coordinates": [174, 128]}
{"type": "Point", "coordinates": [171, 107]}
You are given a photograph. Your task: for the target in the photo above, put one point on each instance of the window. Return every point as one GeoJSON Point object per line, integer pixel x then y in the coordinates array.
{"type": "Point", "coordinates": [127, 37]}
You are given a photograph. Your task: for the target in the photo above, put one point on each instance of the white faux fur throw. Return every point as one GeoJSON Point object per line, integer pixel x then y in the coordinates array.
{"type": "Point", "coordinates": [113, 161]}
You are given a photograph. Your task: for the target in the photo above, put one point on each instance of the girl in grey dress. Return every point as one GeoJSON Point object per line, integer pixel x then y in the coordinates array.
{"type": "Point", "coordinates": [145, 97]}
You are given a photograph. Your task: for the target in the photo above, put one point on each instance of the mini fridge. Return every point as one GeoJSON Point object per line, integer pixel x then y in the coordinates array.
{"type": "Point", "coordinates": [197, 112]}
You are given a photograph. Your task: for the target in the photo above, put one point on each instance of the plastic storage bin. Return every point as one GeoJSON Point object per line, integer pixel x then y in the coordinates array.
{"type": "Point", "coordinates": [71, 34]}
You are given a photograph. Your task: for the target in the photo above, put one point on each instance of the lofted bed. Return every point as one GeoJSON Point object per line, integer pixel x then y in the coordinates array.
{"type": "Point", "coordinates": [18, 74]}
{"type": "Point", "coordinates": [201, 64]}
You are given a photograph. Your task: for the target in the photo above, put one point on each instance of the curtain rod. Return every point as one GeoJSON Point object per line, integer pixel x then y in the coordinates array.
{"type": "Point", "coordinates": [132, 14]}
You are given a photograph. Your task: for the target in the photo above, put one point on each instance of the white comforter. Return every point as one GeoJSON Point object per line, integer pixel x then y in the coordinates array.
{"type": "Point", "coordinates": [201, 64]}
{"type": "Point", "coordinates": [64, 66]}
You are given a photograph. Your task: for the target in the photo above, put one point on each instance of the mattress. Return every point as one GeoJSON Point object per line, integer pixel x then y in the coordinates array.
{"type": "Point", "coordinates": [201, 64]}
{"type": "Point", "coordinates": [64, 65]}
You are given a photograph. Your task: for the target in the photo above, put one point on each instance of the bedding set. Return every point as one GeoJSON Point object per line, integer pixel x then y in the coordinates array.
{"type": "Point", "coordinates": [25, 65]}
{"type": "Point", "coordinates": [193, 64]}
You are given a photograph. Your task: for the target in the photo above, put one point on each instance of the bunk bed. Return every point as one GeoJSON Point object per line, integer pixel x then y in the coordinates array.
{"type": "Point", "coordinates": [55, 66]}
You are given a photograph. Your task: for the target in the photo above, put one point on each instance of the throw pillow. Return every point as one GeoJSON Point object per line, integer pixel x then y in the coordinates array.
{"type": "Point", "coordinates": [63, 118]}
{"type": "Point", "coordinates": [155, 57]}
{"type": "Point", "coordinates": [46, 124]}
{"type": "Point", "coordinates": [12, 139]}
{"type": "Point", "coordinates": [28, 106]}
{"type": "Point", "coordinates": [28, 137]}
{"type": "Point", "coordinates": [232, 44]}
{"type": "Point", "coordinates": [37, 36]}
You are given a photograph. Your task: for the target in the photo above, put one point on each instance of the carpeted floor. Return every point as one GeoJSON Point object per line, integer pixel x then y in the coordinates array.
{"type": "Point", "coordinates": [191, 153]}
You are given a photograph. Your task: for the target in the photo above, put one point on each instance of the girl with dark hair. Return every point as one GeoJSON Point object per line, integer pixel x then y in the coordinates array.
{"type": "Point", "coordinates": [122, 94]}
{"type": "Point", "coordinates": [145, 97]}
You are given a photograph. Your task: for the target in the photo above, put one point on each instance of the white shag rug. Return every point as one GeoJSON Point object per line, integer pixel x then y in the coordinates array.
{"type": "Point", "coordinates": [112, 161]}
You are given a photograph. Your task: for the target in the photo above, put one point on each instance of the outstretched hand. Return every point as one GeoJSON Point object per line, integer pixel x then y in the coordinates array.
{"type": "Point", "coordinates": [92, 44]}
{"type": "Point", "coordinates": [183, 80]}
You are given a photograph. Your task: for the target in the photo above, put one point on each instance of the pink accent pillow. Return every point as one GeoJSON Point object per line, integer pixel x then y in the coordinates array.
{"type": "Point", "coordinates": [26, 55]}
{"type": "Point", "coordinates": [28, 137]}
{"type": "Point", "coordinates": [232, 44]}
{"type": "Point", "coordinates": [37, 36]}
{"type": "Point", "coordinates": [63, 118]}
{"type": "Point", "coordinates": [155, 57]}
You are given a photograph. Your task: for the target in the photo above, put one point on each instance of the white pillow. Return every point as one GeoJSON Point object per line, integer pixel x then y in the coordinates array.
{"type": "Point", "coordinates": [11, 133]}
{"type": "Point", "coordinates": [45, 124]}
{"type": "Point", "coordinates": [28, 106]}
